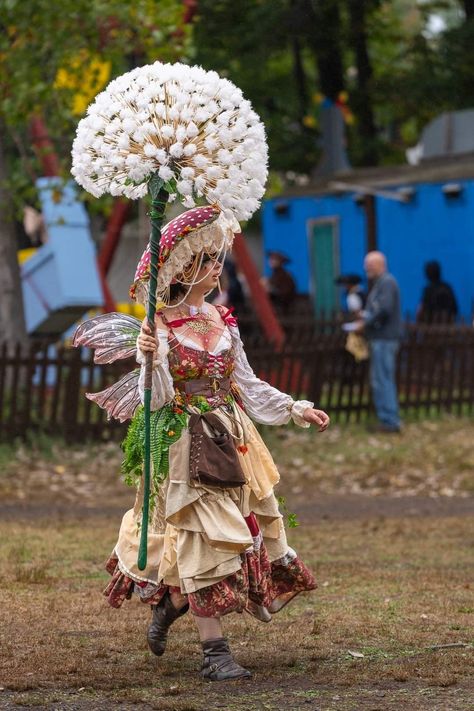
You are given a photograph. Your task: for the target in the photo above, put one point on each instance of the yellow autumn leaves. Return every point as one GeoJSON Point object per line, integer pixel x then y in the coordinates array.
{"type": "Point", "coordinates": [85, 75]}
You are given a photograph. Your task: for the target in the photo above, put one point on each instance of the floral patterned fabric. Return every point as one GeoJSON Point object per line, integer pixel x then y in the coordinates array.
{"type": "Point", "coordinates": [187, 363]}
{"type": "Point", "coordinates": [121, 587]}
{"type": "Point", "coordinates": [258, 581]}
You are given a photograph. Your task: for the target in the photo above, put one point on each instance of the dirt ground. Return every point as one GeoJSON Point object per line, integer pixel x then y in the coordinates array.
{"type": "Point", "coordinates": [390, 627]}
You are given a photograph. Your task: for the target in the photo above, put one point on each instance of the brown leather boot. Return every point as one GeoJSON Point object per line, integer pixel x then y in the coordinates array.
{"type": "Point", "coordinates": [163, 616]}
{"type": "Point", "coordinates": [219, 664]}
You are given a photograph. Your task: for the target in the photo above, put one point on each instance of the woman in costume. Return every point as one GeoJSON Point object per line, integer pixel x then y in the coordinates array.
{"type": "Point", "coordinates": [213, 548]}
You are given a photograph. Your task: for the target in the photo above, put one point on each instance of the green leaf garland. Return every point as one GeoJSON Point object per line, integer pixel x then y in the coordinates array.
{"type": "Point", "coordinates": [166, 427]}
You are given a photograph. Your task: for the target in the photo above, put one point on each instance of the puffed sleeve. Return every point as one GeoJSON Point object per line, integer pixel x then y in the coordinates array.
{"type": "Point", "coordinates": [264, 403]}
{"type": "Point", "coordinates": [162, 385]}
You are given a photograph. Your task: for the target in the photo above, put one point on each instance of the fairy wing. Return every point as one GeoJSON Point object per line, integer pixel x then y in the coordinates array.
{"type": "Point", "coordinates": [113, 337]}
{"type": "Point", "coordinates": [121, 399]}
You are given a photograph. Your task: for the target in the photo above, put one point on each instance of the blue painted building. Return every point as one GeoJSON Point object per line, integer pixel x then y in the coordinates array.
{"type": "Point", "coordinates": [60, 281]}
{"type": "Point", "coordinates": [324, 230]}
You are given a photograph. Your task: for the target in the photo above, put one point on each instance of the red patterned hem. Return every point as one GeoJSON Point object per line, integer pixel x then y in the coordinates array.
{"type": "Point", "coordinates": [258, 581]}
{"type": "Point", "coordinates": [291, 576]}
{"type": "Point", "coordinates": [121, 586]}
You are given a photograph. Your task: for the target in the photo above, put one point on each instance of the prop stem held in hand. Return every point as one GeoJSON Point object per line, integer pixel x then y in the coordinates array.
{"type": "Point", "coordinates": [159, 198]}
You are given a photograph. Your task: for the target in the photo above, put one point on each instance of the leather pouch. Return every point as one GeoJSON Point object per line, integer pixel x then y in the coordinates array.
{"type": "Point", "coordinates": [213, 458]}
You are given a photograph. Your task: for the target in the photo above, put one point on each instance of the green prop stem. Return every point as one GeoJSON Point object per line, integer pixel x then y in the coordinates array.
{"type": "Point", "coordinates": [159, 198]}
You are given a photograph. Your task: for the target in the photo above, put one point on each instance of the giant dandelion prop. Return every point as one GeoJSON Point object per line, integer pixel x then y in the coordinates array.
{"type": "Point", "coordinates": [177, 133]}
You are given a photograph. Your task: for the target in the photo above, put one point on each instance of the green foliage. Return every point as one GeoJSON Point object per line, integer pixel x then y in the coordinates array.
{"type": "Point", "coordinates": [281, 53]}
{"type": "Point", "coordinates": [133, 447]}
{"type": "Point", "coordinates": [52, 57]}
{"type": "Point", "coordinates": [278, 52]}
{"type": "Point", "coordinates": [39, 39]}
{"type": "Point", "coordinates": [166, 426]}
{"type": "Point", "coordinates": [250, 43]}
{"type": "Point", "coordinates": [457, 61]}
{"type": "Point", "coordinates": [291, 520]}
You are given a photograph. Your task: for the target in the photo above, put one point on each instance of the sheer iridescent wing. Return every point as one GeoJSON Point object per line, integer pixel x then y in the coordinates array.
{"type": "Point", "coordinates": [112, 336]}
{"type": "Point", "coordinates": [121, 399]}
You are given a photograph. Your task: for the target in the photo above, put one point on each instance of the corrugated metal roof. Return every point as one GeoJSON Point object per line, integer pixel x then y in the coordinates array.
{"type": "Point", "coordinates": [443, 169]}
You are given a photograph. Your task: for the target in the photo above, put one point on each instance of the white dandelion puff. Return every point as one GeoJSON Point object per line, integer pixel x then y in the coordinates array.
{"type": "Point", "coordinates": [176, 150]}
{"type": "Point", "coordinates": [185, 187]}
{"type": "Point", "coordinates": [189, 150]}
{"type": "Point", "coordinates": [167, 131]}
{"type": "Point", "coordinates": [187, 124]}
{"type": "Point", "coordinates": [165, 173]}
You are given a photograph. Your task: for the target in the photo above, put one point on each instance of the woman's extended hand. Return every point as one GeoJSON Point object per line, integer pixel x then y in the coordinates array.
{"type": "Point", "coordinates": [316, 417]}
{"type": "Point", "coordinates": [146, 342]}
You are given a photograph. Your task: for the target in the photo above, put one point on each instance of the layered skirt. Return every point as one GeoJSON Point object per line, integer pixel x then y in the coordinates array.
{"type": "Point", "coordinates": [226, 549]}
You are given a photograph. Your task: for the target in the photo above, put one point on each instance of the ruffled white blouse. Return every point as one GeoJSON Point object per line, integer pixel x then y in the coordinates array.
{"type": "Point", "coordinates": [263, 402]}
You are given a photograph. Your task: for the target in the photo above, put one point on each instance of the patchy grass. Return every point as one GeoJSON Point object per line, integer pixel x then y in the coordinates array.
{"type": "Point", "coordinates": [431, 458]}
{"type": "Point", "coordinates": [434, 458]}
{"type": "Point", "coordinates": [391, 626]}
{"type": "Point", "coordinates": [390, 590]}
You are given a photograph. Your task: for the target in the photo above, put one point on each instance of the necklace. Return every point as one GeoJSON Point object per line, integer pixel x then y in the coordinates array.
{"type": "Point", "coordinates": [201, 323]}
{"type": "Point", "coordinates": [196, 310]}
{"type": "Point", "coordinates": [199, 320]}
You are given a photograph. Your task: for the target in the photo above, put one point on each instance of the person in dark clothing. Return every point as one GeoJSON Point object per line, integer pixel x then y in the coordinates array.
{"type": "Point", "coordinates": [280, 285]}
{"type": "Point", "coordinates": [231, 292]}
{"type": "Point", "coordinates": [235, 292]}
{"type": "Point", "coordinates": [438, 303]}
{"type": "Point", "coordinates": [355, 294]}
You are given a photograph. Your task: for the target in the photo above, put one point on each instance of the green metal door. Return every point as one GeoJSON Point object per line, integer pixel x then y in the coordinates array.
{"type": "Point", "coordinates": [324, 251]}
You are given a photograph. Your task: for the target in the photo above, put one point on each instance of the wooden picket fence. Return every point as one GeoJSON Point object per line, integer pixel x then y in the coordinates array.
{"type": "Point", "coordinates": [42, 389]}
{"type": "Point", "coordinates": [435, 371]}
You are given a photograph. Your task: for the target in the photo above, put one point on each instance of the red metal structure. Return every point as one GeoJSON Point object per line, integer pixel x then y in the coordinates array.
{"type": "Point", "coordinates": [263, 306]}
{"type": "Point", "coordinates": [44, 147]}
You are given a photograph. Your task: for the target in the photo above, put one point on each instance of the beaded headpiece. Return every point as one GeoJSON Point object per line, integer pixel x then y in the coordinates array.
{"type": "Point", "coordinates": [199, 231]}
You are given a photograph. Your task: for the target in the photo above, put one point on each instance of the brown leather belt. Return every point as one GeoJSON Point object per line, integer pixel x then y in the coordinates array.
{"type": "Point", "coordinates": [207, 387]}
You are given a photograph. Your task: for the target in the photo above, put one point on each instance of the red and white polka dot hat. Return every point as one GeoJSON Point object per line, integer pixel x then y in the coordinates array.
{"type": "Point", "coordinates": [201, 229]}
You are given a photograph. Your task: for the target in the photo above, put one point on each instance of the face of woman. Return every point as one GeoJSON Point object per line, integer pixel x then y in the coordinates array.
{"type": "Point", "coordinates": [209, 273]}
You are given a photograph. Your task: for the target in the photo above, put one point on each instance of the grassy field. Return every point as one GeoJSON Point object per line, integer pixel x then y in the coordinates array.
{"type": "Point", "coordinates": [391, 625]}
{"type": "Point", "coordinates": [431, 458]}
{"type": "Point", "coordinates": [396, 592]}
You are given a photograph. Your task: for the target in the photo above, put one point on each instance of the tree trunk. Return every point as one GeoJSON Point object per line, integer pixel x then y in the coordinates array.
{"type": "Point", "coordinates": [12, 322]}
{"type": "Point", "coordinates": [362, 103]}
{"type": "Point", "coordinates": [323, 32]}
{"type": "Point", "coordinates": [300, 79]}
{"type": "Point", "coordinates": [469, 9]}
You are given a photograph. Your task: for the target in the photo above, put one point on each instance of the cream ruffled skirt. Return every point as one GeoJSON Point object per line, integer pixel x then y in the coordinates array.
{"type": "Point", "coordinates": [221, 547]}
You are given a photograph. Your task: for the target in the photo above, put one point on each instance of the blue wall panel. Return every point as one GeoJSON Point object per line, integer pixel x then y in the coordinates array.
{"type": "Point", "coordinates": [431, 226]}
{"type": "Point", "coordinates": [61, 280]}
{"type": "Point", "coordinates": [289, 232]}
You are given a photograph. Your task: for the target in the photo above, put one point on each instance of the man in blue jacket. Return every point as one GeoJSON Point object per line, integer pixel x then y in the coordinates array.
{"type": "Point", "coordinates": [382, 326]}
